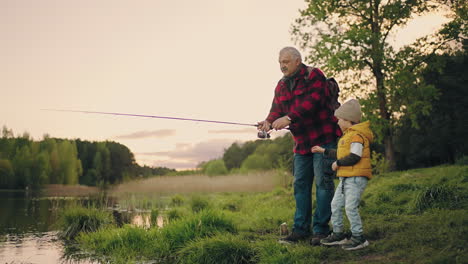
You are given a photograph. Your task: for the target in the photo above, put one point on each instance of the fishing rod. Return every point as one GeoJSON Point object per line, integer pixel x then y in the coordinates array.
{"type": "Point", "coordinates": [261, 134]}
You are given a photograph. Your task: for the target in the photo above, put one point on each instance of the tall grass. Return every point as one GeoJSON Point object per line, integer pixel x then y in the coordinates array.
{"type": "Point", "coordinates": [219, 249]}
{"type": "Point", "coordinates": [437, 196]}
{"type": "Point", "coordinates": [132, 243]}
{"type": "Point", "coordinates": [203, 224]}
{"type": "Point", "coordinates": [75, 220]}
{"type": "Point", "coordinates": [199, 203]}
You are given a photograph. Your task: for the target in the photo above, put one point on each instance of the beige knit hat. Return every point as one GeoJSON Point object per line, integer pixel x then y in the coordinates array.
{"type": "Point", "coordinates": [351, 111]}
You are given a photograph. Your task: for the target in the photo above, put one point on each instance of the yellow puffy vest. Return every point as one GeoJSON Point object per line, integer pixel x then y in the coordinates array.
{"type": "Point", "coordinates": [363, 167]}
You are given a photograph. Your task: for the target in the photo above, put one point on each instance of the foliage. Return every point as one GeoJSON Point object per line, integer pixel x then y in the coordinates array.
{"type": "Point", "coordinates": [215, 167]}
{"type": "Point", "coordinates": [256, 162]}
{"type": "Point", "coordinates": [174, 214]}
{"type": "Point", "coordinates": [154, 217]}
{"type": "Point", "coordinates": [219, 249]}
{"type": "Point", "coordinates": [351, 40]}
{"type": "Point", "coordinates": [202, 224]}
{"type": "Point", "coordinates": [441, 137]}
{"type": "Point", "coordinates": [199, 203]}
{"type": "Point", "coordinates": [126, 243]}
{"type": "Point", "coordinates": [260, 154]}
{"type": "Point", "coordinates": [437, 196]}
{"type": "Point", "coordinates": [237, 153]}
{"type": "Point", "coordinates": [25, 163]}
{"type": "Point", "coordinates": [177, 200]}
{"type": "Point", "coordinates": [379, 164]}
{"type": "Point", "coordinates": [462, 160]}
{"type": "Point", "coordinates": [76, 220]}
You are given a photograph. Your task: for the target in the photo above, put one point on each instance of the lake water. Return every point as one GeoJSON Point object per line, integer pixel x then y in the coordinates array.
{"type": "Point", "coordinates": [28, 234]}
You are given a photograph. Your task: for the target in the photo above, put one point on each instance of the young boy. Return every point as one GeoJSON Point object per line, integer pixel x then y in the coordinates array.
{"type": "Point", "coordinates": [353, 167]}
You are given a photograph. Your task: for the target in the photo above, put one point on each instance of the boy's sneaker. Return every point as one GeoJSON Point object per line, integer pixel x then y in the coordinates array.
{"type": "Point", "coordinates": [356, 242]}
{"type": "Point", "coordinates": [294, 237]}
{"type": "Point", "coordinates": [315, 241]}
{"type": "Point", "coordinates": [334, 239]}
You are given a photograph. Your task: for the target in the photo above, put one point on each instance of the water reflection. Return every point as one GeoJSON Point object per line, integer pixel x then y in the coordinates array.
{"type": "Point", "coordinates": [40, 247]}
{"type": "Point", "coordinates": [28, 233]}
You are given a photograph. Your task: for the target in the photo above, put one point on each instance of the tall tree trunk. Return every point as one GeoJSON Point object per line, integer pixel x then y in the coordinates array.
{"type": "Point", "coordinates": [384, 114]}
{"type": "Point", "coordinates": [377, 58]}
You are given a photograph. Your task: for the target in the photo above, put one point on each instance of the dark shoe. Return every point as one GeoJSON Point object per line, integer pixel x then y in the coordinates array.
{"type": "Point", "coordinates": [294, 237]}
{"type": "Point", "coordinates": [315, 241]}
{"type": "Point", "coordinates": [356, 243]}
{"type": "Point", "coordinates": [334, 239]}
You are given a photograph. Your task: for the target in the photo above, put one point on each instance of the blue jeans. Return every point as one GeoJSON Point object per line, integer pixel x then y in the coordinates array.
{"type": "Point", "coordinates": [349, 198]}
{"type": "Point", "coordinates": [306, 168]}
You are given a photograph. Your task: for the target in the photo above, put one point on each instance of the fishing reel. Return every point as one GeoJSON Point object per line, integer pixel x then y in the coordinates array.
{"type": "Point", "coordinates": [263, 134]}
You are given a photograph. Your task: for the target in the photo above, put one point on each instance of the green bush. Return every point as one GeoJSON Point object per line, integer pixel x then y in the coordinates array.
{"type": "Point", "coordinates": [215, 167]}
{"type": "Point", "coordinates": [256, 162]}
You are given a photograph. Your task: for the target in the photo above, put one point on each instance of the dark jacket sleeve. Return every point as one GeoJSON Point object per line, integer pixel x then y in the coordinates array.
{"type": "Point", "coordinates": [349, 160]}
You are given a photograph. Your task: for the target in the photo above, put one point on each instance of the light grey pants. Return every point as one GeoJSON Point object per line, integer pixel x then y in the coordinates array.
{"type": "Point", "coordinates": [349, 198]}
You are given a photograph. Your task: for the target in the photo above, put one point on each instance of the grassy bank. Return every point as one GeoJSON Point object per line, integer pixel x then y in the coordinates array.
{"type": "Point", "coordinates": [415, 216]}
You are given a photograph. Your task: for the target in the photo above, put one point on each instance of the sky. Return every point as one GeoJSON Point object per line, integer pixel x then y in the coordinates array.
{"type": "Point", "coordinates": [206, 59]}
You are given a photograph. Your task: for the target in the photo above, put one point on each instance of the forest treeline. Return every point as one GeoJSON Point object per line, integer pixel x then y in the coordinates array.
{"type": "Point", "coordinates": [25, 163]}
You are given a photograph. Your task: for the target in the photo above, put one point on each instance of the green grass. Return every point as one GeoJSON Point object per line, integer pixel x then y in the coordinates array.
{"type": "Point", "coordinates": [75, 220]}
{"type": "Point", "coordinates": [218, 249]}
{"type": "Point", "coordinates": [415, 216]}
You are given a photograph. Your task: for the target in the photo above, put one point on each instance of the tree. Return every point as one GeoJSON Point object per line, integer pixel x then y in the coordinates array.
{"type": "Point", "coordinates": [440, 137]}
{"type": "Point", "coordinates": [233, 156]}
{"type": "Point", "coordinates": [237, 153]}
{"type": "Point", "coordinates": [350, 40]}
{"type": "Point", "coordinates": [215, 167]}
{"type": "Point", "coordinates": [122, 161]}
{"type": "Point", "coordinates": [256, 161]}
{"type": "Point", "coordinates": [70, 165]}
{"type": "Point", "coordinates": [7, 179]}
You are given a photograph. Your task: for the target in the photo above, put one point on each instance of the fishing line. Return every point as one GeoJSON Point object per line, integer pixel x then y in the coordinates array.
{"type": "Point", "coordinates": [152, 116]}
{"type": "Point", "coordinates": [261, 134]}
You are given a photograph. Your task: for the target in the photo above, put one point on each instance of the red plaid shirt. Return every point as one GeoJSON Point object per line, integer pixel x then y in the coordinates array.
{"type": "Point", "coordinates": [312, 122]}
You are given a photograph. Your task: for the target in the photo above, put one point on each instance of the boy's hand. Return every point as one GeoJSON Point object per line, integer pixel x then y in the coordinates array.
{"type": "Point", "coordinates": [317, 149]}
{"type": "Point", "coordinates": [334, 166]}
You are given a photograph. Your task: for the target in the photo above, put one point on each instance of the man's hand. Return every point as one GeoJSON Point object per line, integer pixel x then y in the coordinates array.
{"type": "Point", "coordinates": [281, 123]}
{"type": "Point", "coordinates": [334, 166]}
{"type": "Point", "coordinates": [264, 126]}
{"type": "Point", "coordinates": [317, 149]}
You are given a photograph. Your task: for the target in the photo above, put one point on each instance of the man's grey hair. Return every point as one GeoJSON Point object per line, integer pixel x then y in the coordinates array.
{"type": "Point", "coordinates": [293, 51]}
